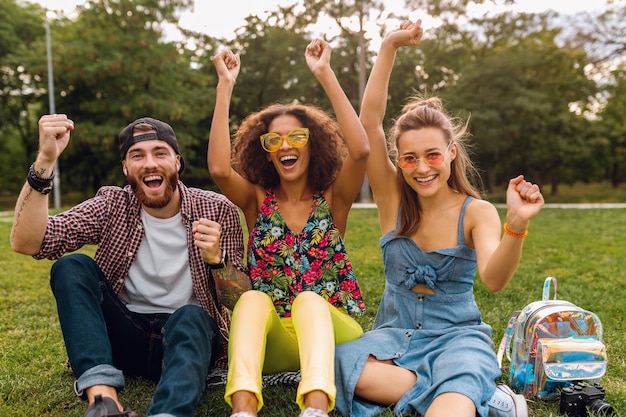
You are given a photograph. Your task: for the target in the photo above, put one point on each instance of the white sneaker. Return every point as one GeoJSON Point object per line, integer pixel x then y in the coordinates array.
{"type": "Point", "coordinates": [312, 412]}
{"type": "Point", "coordinates": [505, 403]}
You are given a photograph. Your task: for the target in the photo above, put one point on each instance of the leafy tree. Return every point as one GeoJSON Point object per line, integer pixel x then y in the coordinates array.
{"type": "Point", "coordinates": [520, 89]}
{"type": "Point", "coordinates": [526, 93]}
{"type": "Point", "coordinates": [602, 36]}
{"type": "Point", "coordinates": [351, 18]}
{"type": "Point", "coordinates": [112, 66]}
{"type": "Point", "coordinates": [21, 31]}
{"type": "Point", "coordinates": [612, 125]}
{"type": "Point", "coordinates": [273, 65]}
{"type": "Point", "coordinates": [525, 90]}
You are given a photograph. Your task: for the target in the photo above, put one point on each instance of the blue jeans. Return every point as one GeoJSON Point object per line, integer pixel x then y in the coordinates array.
{"type": "Point", "coordinates": [105, 341]}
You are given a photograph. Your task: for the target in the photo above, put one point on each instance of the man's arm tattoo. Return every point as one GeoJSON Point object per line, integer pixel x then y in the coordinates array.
{"type": "Point", "coordinates": [230, 284]}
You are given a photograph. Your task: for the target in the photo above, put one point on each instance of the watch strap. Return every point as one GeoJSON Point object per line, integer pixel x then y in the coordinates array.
{"type": "Point", "coordinates": [221, 264]}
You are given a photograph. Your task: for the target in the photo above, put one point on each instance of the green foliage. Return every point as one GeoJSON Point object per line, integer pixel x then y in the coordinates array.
{"type": "Point", "coordinates": [577, 193]}
{"type": "Point", "coordinates": [512, 73]}
{"type": "Point", "coordinates": [612, 130]}
{"type": "Point", "coordinates": [518, 88]}
{"type": "Point", "coordinates": [582, 248]}
{"type": "Point", "coordinates": [21, 30]}
{"type": "Point", "coordinates": [125, 71]}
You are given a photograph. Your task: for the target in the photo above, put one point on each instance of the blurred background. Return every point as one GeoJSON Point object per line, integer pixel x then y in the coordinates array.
{"type": "Point", "coordinates": [542, 83]}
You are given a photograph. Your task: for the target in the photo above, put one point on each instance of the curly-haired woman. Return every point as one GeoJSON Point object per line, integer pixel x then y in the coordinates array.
{"type": "Point", "coordinates": [294, 172]}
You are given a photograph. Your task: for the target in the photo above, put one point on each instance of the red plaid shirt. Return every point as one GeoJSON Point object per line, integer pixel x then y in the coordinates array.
{"type": "Point", "coordinates": [112, 221]}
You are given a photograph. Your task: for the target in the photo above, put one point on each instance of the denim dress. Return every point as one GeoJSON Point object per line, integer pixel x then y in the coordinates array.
{"type": "Point", "coordinates": [440, 337]}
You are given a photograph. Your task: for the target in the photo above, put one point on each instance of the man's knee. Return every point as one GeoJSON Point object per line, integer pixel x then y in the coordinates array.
{"type": "Point", "coordinates": [71, 267]}
{"type": "Point", "coordinates": [192, 320]}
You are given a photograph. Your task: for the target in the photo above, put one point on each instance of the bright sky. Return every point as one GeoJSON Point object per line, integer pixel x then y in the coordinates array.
{"type": "Point", "coordinates": [231, 14]}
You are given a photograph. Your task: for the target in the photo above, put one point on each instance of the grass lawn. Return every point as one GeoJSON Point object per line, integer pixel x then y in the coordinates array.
{"type": "Point", "coordinates": [584, 249]}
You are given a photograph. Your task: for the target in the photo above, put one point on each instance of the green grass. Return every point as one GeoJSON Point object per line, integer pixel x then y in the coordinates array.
{"type": "Point", "coordinates": [584, 249]}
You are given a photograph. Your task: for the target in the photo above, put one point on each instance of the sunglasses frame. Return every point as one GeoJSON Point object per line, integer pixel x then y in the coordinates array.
{"type": "Point", "coordinates": [286, 137]}
{"type": "Point", "coordinates": [443, 155]}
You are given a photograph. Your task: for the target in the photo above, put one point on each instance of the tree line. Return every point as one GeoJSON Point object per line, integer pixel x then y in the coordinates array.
{"type": "Point", "coordinates": [544, 93]}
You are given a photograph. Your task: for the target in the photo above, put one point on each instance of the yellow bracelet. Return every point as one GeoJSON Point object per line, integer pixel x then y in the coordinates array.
{"type": "Point", "coordinates": [517, 235]}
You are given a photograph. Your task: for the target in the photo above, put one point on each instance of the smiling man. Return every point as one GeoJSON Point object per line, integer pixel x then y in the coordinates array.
{"type": "Point", "coordinates": [153, 301]}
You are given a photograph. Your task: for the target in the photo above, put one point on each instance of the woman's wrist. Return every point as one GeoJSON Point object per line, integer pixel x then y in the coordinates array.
{"type": "Point", "coordinates": [516, 233]}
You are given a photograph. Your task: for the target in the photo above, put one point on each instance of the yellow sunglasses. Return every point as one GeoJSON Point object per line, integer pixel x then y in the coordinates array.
{"type": "Point", "coordinates": [296, 138]}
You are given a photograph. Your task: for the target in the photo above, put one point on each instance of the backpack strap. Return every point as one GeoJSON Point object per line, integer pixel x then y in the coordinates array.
{"type": "Point", "coordinates": [546, 288]}
{"type": "Point", "coordinates": [505, 343]}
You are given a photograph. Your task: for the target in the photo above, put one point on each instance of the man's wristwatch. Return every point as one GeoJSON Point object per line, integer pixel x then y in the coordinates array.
{"type": "Point", "coordinates": [37, 182]}
{"type": "Point", "coordinates": [221, 264]}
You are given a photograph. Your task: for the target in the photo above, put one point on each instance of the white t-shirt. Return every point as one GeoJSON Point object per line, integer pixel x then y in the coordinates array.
{"type": "Point", "coordinates": [159, 281]}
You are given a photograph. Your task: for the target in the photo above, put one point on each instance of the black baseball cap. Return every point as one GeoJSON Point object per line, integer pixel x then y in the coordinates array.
{"type": "Point", "coordinates": [164, 132]}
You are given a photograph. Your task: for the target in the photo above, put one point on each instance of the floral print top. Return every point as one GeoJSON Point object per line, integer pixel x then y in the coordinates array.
{"type": "Point", "coordinates": [283, 264]}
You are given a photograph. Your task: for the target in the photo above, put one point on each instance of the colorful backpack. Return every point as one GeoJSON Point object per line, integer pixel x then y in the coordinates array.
{"type": "Point", "coordinates": [550, 344]}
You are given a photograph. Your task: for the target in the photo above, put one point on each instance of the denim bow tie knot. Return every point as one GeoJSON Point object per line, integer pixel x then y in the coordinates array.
{"type": "Point", "coordinates": [421, 274]}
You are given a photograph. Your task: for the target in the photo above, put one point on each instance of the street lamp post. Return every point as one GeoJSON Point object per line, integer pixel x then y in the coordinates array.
{"type": "Point", "coordinates": [56, 188]}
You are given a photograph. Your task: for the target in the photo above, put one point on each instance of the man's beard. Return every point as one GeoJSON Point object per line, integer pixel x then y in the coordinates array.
{"type": "Point", "coordinates": [170, 181]}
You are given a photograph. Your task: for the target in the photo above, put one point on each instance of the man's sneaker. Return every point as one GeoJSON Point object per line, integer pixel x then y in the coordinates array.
{"type": "Point", "coordinates": [505, 403]}
{"type": "Point", "coordinates": [106, 407]}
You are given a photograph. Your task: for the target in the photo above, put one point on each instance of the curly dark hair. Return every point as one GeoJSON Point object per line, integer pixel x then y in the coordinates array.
{"type": "Point", "coordinates": [326, 143]}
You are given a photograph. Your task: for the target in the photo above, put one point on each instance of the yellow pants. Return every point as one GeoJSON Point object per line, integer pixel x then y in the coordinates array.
{"type": "Point", "coordinates": [262, 342]}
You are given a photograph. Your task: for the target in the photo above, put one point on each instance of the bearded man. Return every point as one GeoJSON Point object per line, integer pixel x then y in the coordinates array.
{"type": "Point", "coordinates": [154, 300]}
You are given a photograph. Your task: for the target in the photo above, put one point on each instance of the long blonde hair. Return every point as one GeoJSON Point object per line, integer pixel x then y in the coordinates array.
{"type": "Point", "coordinates": [464, 177]}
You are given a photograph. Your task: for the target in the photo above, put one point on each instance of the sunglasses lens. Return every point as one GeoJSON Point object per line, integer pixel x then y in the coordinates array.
{"type": "Point", "coordinates": [434, 159]}
{"type": "Point", "coordinates": [409, 161]}
{"type": "Point", "coordinates": [297, 138]}
{"type": "Point", "coordinates": [271, 141]}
